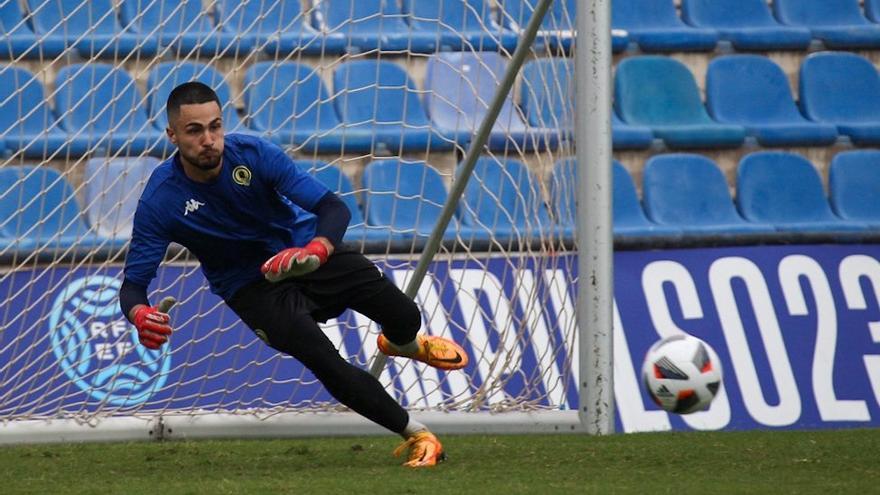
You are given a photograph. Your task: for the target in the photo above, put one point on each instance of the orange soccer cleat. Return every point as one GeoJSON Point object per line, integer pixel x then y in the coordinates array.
{"type": "Point", "coordinates": [435, 351]}
{"type": "Point", "coordinates": [424, 450]}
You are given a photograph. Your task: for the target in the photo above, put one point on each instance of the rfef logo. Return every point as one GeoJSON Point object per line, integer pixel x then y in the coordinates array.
{"type": "Point", "coordinates": [97, 347]}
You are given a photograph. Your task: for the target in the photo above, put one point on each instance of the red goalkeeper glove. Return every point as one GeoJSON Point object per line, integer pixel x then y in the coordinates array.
{"type": "Point", "coordinates": [152, 326]}
{"type": "Point", "coordinates": [296, 261]}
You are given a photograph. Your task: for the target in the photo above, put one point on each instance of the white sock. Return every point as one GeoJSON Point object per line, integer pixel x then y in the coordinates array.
{"type": "Point", "coordinates": [412, 428]}
{"type": "Point", "coordinates": [406, 349]}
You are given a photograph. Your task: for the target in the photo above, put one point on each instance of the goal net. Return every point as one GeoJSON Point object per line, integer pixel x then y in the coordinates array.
{"type": "Point", "coordinates": [380, 100]}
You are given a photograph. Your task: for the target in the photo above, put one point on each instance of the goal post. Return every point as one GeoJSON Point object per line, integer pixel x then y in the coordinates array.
{"type": "Point", "coordinates": [594, 225]}
{"type": "Point", "coordinates": [392, 104]}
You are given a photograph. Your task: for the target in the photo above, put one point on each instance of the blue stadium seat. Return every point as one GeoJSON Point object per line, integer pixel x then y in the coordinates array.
{"type": "Point", "coordinates": [547, 93]}
{"type": "Point", "coordinates": [459, 88]}
{"type": "Point", "coordinates": [557, 27]}
{"type": "Point", "coordinates": [752, 91]}
{"type": "Point", "coordinates": [629, 215]}
{"type": "Point", "coordinates": [276, 27]}
{"type": "Point", "coordinates": [112, 189]}
{"type": "Point", "coordinates": [872, 10]}
{"type": "Point", "coordinates": [784, 190]}
{"type": "Point", "coordinates": [689, 192]}
{"type": "Point", "coordinates": [547, 96]}
{"type": "Point", "coordinates": [854, 184]}
{"type": "Point", "coordinates": [655, 27]}
{"type": "Point", "coordinates": [38, 210]}
{"type": "Point", "coordinates": [165, 76]}
{"type": "Point", "coordinates": [746, 24]}
{"type": "Point", "coordinates": [90, 27]}
{"type": "Point", "coordinates": [372, 25]}
{"type": "Point", "coordinates": [563, 194]}
{"type": "Point", "coordinates": [626, 136]}
{"type": "Point", "coordinates": [629, 218]}
{"type": "Point", "coordinates": [182, 25]}
{"type": "Point", "coordinates": [842, 89]}
{"type": "Point", "coordinates": [358, 231]}
{"type": "Point", "coordinates": [288, 102]}
{"type": "Point", "coordinates": [661, 93]}
{"type": "Point", "coordinates": [101, 108]}
{"type": "Point", "coordinates": [379, 99]}
{"type": "Point", "coordinates": [19, 39]}
{"type": "Point", "coordinates": [459, 24]}
{"type": "Point", "coordinates": [502, 200]}
{"type": "Point", "coordinates": [407, 198]}
{"type": "Point", "coordinates": [27, 125]}
{"type": "Point", "coordinates": [838, 23]}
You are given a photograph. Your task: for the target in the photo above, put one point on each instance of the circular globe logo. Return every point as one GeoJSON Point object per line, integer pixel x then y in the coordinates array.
{"type": "Point", "coordinates": [97, 347]}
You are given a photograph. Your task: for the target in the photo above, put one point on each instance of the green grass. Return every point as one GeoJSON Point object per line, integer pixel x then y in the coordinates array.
{"type": "Point", "coordinates": [779, 462]}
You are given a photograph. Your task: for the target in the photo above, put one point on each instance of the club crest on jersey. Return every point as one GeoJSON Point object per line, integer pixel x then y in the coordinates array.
{"type": "Point", "coordinates": [241, 175]}
{"type": "Point", "coordinates": [191, 206]}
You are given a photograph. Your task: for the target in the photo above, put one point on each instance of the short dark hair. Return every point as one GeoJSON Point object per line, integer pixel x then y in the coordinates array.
{"type": "Point", "coordinates": [189, 93]}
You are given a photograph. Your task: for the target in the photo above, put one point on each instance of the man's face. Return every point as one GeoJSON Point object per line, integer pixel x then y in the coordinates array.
{"type": "Point", "coordinates": [197, 131]}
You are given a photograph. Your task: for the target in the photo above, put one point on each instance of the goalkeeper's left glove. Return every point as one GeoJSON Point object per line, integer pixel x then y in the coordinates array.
{"type": "Point", "coordinates": [296, 261]}
{"type": "Point", "coordinates": [152, 325]}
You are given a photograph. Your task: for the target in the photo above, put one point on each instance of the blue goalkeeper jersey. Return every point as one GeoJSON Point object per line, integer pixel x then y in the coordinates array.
{"type": "Point", "coordinates": [255, 208]}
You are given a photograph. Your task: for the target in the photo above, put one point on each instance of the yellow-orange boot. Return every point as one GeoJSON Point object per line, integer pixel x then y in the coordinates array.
{"type": "Point", "coordinates": [435, 351]}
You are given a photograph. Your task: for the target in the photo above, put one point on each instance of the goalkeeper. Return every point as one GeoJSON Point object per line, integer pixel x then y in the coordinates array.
{"type": "Point", "coordinates": [268, 238]}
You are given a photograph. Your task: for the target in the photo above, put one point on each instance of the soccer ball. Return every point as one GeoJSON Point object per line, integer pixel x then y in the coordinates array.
{"type": "Point", "coordinates": [682, 374]}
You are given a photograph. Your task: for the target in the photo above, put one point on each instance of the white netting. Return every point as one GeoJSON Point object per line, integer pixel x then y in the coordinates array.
{"type": "Point", "coordinates": [379, 99]}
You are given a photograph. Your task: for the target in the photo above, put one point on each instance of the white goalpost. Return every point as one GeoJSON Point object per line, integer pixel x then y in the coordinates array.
{"type": "Point", "coordinates": [448, 127]}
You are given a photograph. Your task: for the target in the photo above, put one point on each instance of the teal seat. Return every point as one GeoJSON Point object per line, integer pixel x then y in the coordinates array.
{"type": "Point", "coordinates": [661, 93]}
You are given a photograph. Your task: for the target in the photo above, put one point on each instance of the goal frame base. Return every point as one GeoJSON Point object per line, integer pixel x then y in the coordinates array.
{"type": "Point", "coordinates": [280, 425]}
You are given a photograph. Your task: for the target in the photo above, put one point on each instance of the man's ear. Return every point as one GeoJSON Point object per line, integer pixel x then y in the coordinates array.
{"type": "Point", "coordinates": [171, 136]}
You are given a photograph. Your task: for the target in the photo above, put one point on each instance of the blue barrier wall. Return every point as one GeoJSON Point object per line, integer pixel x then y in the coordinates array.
{"type": "Point", "coordinates": [797, 329]}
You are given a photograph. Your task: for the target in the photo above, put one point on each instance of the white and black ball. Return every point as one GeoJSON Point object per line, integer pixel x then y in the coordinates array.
{"type": "Point", "coordinates": [682, 374]}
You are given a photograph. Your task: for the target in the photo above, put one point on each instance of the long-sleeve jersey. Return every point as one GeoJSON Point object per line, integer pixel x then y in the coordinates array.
{"type": "Point", "coordinates": [256, 207]}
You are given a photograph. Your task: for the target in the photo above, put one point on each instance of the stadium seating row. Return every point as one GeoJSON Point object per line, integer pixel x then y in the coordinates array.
{"type": "Point", "coordinates": [839, 93]}
{"type": "Point", "coordinates": [683, 194]}
{"type": "Point", "coordinates": [98, 107]}
{"type": "Point", "coordinates": [748, 25]}
{"type": "Point", "coordinates": [150, 27]}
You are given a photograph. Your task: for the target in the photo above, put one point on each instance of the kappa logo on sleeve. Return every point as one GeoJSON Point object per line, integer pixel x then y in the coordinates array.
{"type": "Point", "coordinates": [191, 206]}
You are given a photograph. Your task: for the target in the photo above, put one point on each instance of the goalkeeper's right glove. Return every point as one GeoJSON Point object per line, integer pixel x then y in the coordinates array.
{"type": "Point", "coordinates": [152, 326]}
{"type": "Point", "coordinates": [296, 261]}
